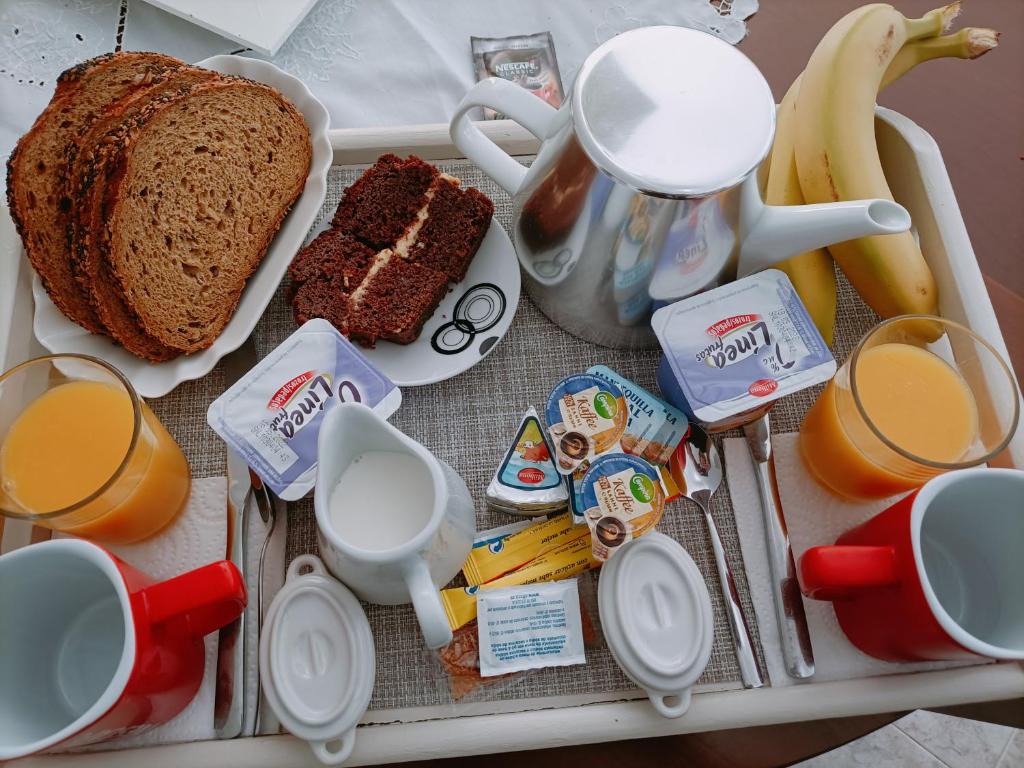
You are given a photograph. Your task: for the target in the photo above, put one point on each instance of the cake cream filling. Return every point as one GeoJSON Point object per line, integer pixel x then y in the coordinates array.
{"type": "Point", "coordinates": [405, 242]}
{"type": "Point", "coordinates": [408, 239]}
{"type": "Point", "coordinates": [379, 261]}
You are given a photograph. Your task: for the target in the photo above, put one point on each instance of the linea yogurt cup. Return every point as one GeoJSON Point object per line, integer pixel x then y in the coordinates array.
{"type": "Point", "coordinates": [729, 353]}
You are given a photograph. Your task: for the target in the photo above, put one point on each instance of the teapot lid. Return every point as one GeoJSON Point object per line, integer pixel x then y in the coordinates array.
{"type": "Point", "coordinates": [673, 112]}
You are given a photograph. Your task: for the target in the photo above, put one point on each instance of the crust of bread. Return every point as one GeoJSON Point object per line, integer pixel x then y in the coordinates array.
{"type": "Point", "coordinates": [40, 218]}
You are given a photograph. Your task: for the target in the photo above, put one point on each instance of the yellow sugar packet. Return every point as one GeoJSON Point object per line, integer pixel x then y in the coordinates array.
{"type": "Point", "coordinates": [512, 552]}
{"type": "Point", "coordinates": [570, 559]}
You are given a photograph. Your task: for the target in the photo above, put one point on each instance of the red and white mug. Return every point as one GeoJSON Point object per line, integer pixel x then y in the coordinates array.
{"type": "Point", "coordinates": [938, 575]}
{"type": "Point", "coordinates": [91, 648]}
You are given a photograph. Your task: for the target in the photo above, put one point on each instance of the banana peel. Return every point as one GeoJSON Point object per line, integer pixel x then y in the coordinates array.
{"type": "Point", "coordinates": [811, 273]}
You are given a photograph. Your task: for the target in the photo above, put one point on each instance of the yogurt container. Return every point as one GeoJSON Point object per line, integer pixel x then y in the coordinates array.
{"type": "Point", "coordinates": [731, 352]}
{"type": "Point", "coordinates": [272, 415]}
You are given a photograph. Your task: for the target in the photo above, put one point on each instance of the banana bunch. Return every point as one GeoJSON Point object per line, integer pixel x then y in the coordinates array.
{"type": "Point", "coordinates": [825, 150]}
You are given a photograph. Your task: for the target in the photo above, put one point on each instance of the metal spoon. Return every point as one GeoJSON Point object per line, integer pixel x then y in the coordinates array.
{"type": "Point", "coordinates": [702, 473]}
{"type": "Point", "coordinates": [268, 504]}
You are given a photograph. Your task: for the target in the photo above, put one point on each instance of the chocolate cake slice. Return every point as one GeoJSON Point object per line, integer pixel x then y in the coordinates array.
{"type": "Point", "coordinates": [457, 220]}
{"type": "Point", "coordinates": [394, 301]}
{"type": "Point", "coordinates": [332, 252]}
{"type": "Point", "coordinates": [401, 234]}
{"type": "Point", "coordinates": [323, 275]}
{"type": "Point", "coordinates": [384, 201]}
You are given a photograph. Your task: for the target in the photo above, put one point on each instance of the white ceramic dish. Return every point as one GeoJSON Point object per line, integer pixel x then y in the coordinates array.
{"type": "Point", "coordinates": [317, 660]}
{"type": "Point", "coordinates": [657, 618]}
{"type": "Point", "coordinates": [58, 334]}
{"type": "Point", "coordinates": [472, 318]}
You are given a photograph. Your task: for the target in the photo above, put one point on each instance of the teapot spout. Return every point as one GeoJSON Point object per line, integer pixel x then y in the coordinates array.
{"type": "Point", "coordinates": [782, 231]}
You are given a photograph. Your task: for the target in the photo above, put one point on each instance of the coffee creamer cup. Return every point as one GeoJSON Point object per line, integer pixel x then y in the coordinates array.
{"type": "Point", "coordinates": [586, 417]}
{"type": "Point", "coordinates": [623, 499]}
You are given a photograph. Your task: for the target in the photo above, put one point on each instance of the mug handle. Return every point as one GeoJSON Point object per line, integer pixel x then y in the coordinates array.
{"type": "Point", "coordinates": [208, 598]}
{"type": "Point", "coordinates": [838, 572]}
{"type": "Point", "coordinates": [534, 114]}
{"type": "Point", "coordinates": [427, 603]}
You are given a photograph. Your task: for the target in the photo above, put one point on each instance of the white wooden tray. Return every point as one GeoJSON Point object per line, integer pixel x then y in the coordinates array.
{"type": "Point", "coordinates": [919, 181]}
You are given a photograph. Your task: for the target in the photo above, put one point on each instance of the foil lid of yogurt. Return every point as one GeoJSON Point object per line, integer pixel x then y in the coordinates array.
{"type": "Point", "coordinates": [739, 347]}
{"type": "Point", "coordinates": [272, 415]}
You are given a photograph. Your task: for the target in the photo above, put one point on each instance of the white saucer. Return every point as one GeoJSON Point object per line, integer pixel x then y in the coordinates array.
{"type": "Point", "coordinates": [469, 323]}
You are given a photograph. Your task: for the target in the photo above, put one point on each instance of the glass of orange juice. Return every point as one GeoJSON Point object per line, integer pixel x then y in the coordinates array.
{"type": "Point", "coordinates": [919, 396]}
{"type": "Point", "coordinates": [81, 453]}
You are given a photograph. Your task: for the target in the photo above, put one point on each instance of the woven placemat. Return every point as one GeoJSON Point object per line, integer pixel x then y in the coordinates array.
{"type": "Point", "coordinates": [468, 421]}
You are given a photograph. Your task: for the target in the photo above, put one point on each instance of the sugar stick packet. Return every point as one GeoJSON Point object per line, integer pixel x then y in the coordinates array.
{"type": "Point", "coordinates": [570, 559]}
{"type": "Point", "coordinates": [487, 563]}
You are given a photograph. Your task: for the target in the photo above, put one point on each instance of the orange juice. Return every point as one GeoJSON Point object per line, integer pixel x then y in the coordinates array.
{"type": "Point", "coordinates": [73, 444]}
{"type": "Point", "coordinates": [919, 403]}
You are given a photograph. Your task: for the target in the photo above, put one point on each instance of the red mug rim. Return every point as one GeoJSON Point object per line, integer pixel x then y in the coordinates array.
{"type": "Point", "coordinates": [919, 508]}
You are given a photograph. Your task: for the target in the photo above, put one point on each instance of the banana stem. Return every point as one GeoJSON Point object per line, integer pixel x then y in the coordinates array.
{"type": "Point", "coordinates": [932, 23]}
{"type": "Point", "coordinates": [968, 43]}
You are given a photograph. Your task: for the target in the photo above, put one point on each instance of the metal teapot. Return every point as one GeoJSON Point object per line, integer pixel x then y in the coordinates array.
{"type": "Point", "coordinates": [645, 189]}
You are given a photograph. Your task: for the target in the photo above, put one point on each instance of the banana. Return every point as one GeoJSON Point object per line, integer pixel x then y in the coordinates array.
{"type": "Point", "coordinates": [811, 273]}
{"type": "Point", "coordinates": [968, 43]}
{"type": "Point", "coordinates": [836, 155]}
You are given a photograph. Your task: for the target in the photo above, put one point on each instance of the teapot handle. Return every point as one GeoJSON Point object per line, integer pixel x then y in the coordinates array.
{"type": "Point", "coordinates": [534, 114]}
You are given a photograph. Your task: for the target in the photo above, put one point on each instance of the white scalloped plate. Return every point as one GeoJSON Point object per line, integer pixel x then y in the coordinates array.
{"type": "Point", "coordinates": [58, 334]}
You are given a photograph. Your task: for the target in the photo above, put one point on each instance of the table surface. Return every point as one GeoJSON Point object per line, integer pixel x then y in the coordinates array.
{"type": "Point", "coordinates": [975, 111]}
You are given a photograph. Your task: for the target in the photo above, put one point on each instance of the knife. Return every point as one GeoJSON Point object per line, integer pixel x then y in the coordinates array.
{"type": "Point", "coordinates": [229, 703]}
{"type": "Point", "coordinates": [233, 652]}
{"type": "Point", "coordinates": [794, 636]}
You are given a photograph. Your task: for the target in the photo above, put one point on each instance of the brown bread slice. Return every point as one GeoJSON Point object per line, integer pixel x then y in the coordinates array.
{"type": "Point", "coordinates": [87, 184]}
{"type": "Point", "coordinates": [198, 190]}
{"type": "Point", "coordinates": [34, 169]}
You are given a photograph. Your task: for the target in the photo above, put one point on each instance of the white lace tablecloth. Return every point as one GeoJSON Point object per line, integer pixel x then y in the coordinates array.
{"type": "Point", "coordinates": [372, 62]}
